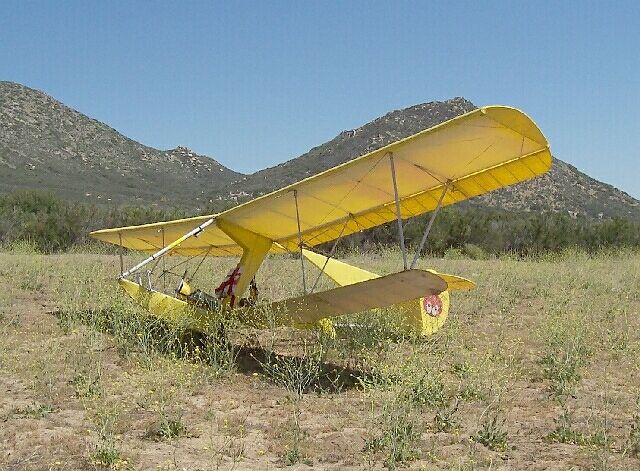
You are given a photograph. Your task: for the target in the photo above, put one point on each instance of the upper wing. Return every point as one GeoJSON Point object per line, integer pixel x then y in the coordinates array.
{"type": "Point", "coordinates": [481, 151]}
{"type": "Point", "coordinates": [152, 237]}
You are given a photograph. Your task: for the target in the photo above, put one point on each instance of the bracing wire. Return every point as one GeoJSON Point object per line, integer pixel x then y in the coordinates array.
{"type": "Point", "coordinates": [204, 257]}
{"type": "Point", "coordinates": [331, 254]}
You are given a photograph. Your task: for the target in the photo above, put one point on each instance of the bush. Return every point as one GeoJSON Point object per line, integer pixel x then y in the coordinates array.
{"type": "Point", "coordinates": [50, 224]}
{"type": "Point", "coordinates": [474, 252]}
{"type": "Point", "coordinates": [462, 232]}
{"type": "Point", "coordinates": [42, 222]}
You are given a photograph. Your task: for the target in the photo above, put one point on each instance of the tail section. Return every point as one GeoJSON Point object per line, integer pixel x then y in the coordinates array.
{"type": "Point", "coordinates": [423, 316]}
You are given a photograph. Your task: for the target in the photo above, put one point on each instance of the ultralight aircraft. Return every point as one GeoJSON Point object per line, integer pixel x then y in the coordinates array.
{"type": "Point", "coordinates": [475, 153]}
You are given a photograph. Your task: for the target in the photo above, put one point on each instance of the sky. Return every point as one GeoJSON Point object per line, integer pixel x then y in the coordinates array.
{"type": "Point", "coordinates": [253, 84]}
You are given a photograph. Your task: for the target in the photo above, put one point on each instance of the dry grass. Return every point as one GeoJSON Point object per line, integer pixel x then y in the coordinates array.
{"type": "Point", "coordinates": [535, 369]}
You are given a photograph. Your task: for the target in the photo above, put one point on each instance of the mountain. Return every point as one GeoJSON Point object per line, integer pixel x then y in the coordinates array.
{"type": "Point", "coordinates": [45, 144]}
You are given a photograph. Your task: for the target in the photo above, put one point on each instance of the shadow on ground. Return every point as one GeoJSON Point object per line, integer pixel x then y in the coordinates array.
{"type": "Point", "coordinates": [289, 371]}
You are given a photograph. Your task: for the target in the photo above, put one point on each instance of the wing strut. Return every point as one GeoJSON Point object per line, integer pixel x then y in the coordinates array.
{"type": "Point", "coordinates": [398, 215]}
{"type": "Point", "coordinates": [120, 253]}
{"type": "Point", "coordinates": [164, 263]}
{"type": "Point", "coordinates": [304, 279]}
{"type": "Point", "coordinates": [428, 228]}
{"type": "Point", "coordinates": [168, 248]}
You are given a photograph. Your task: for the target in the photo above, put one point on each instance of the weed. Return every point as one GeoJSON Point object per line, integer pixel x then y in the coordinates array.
{"type": "Point", "coordinates": [429, 391]}
{"type": "Point", "coordinates": [600, 438]}
{"type": "Point", "coordinates": [234, 426]}
{"type": "Point", "coordinates": [567, 352]}
{"type": "Point", "coordinates": [105, 416]}
{"type": "Point", "coordinates": [32, 277]}
{"type": "Point", "coordinates": [400, 435]}
{"type": "Point", "coordinates": [562, 369]}
{"type": "Point", "coordinates": [35, 410]}
{"type": "Point", "coordinates": [218, 354]}
{"type": "Point", "coordinates": [617, 342]}
{"type": "Point", "coordinates": [292, 456]}
{"type": "Point", "coordinates": [564, 432]}
{"type": "Point", "coordinates": [295, 436]}
{"type": "Point", "coordinates": [366, 339]}
{"type": "Point", "coordinates": [85, 386]}
{"type": "Point", "coordinates": [633, 440]}
{"type": "Point", "coordinates": [491, 433]}
{"type": "Point", "coordinates": [462, 369]}
{"type": "Point", "coordinates": [171, 428]}
{"type": "Point", "coordinates": [470, 393]}
{"type": "Point", "coordinates": [445, 419]}
{"type": "Point", "coordinates": [44, 376]}
{"type": "Point", "coordinates": [23, 247]}
{"type": "Point", "coordinates": [233, 444]}
{"type": "Point", "coordinates": [295, 374]}
{"type": "Point", "coordinates": [106, 455]}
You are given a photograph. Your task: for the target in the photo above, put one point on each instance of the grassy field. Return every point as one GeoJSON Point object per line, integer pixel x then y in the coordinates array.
{"type": "Point", "coordinates": [535, 369]}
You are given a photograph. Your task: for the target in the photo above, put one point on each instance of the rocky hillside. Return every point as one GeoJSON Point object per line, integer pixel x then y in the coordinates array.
{"type": "Point", "coordinates": [45, 144]}
{"type": "Point", "coordinates": [563, 189]}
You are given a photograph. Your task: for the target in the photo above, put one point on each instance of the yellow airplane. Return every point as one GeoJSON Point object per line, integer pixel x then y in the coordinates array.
{"type": "Point", "coordinates": [481, 151]}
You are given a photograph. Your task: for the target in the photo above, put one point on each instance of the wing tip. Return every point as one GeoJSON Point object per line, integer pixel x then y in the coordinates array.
{"type": "Point", "coordinates": [517, 120]}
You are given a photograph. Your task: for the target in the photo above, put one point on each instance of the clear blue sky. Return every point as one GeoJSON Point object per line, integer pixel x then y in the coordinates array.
{"type": "Point", "coordinates": [253, 84]}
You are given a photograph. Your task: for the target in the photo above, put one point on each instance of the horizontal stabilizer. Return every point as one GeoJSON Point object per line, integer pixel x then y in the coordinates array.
{"type": "Point", "coordinates": [455, 282]}
{"type": "Point", "coordinates": [378, 292]}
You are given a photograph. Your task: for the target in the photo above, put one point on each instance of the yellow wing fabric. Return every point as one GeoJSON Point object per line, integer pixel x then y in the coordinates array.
{"type": "Point", "coordinates": [341, 273]}
{"type": "Point", "coordinates": [481, 151]}
{"type": "Point", "coordinates": [152, 237]}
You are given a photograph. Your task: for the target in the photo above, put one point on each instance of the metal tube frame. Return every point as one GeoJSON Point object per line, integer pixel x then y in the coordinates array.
{"type": "Point", "coordinates": [304, 278]}
{"type": "Point", "coordinates": [169, 247]}
{"type": "Point", "coordinates": [164, 265]}
{"type": "Point", "coordinates": [398, 214]}
{"type": "Point", "coordinates": [428, 228]}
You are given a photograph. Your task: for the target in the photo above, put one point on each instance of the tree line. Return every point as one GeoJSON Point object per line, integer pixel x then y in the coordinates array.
{"type": "Point", "coordinates": [52, 224]}
{"type": "Point", "coordinates": [479, 232]}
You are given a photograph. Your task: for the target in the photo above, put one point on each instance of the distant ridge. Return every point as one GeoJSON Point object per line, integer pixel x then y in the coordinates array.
{"type": "Point", "coordinates": [47, 145]}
